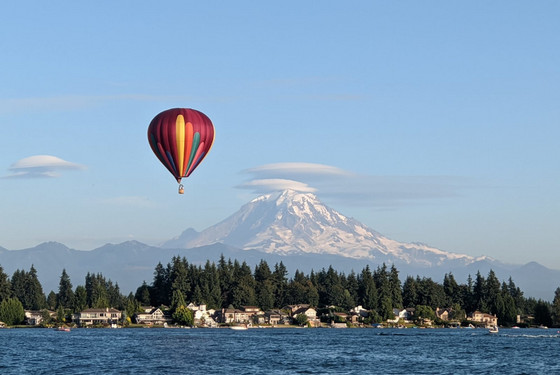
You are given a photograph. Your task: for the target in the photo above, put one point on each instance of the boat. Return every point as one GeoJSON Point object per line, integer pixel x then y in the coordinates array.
{"type": "Point", "coordinates": [493, 329]}
{"type": "Point", "coordinates": [63, 329]}
{"type": "Point", "coordinates": [238, 328]}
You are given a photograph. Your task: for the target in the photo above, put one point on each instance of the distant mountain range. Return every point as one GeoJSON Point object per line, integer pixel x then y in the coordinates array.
{"type": "Point", "coordinates": [295, 228]}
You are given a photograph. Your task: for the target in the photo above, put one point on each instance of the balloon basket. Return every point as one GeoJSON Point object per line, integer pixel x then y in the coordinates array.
{"type": "Point", "coordinates": [181, 189]}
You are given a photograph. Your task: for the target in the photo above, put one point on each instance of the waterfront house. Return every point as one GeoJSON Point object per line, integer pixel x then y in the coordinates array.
{"type": "Point", "coordinates": [255, 314]}
{"type": "Point", "coordinates": [309, 311]}
{"type": "Point", "coordinates": [231, 315]}
{"type": "Point", "coordinates": [275, 317]}
{"type": "Point", "coordinates": [154, 316]}
{"type": "Point", "coordinates": [293, 308]}
{"type": "Point", "coordinates": [487, 319]}
{"type": "Point", "coordinates": [402, 314]}
{"type": "Point", "coordinates": [201, 315]}
{"type": "Point", "coordinates": [104, 316]}
{"type": "Point", "coordinates": [443, 314]}
{"type": "Point", "coordinates": [359, 310]}
{"type": "Point", "coordinates": [36, 317]}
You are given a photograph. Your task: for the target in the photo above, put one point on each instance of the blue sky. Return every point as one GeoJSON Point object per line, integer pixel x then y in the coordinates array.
{"type": "Point", "coordinates": [434, 121]}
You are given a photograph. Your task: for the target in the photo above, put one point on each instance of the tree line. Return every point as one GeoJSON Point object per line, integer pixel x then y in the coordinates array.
{"type": "Point", "coordinates": [233, 284]}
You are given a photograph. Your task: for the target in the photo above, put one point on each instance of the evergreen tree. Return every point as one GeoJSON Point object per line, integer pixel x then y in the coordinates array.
{"type": "Point", "coordinates": [280, 284]}
{"type": "Point", "coordinates": [177, 300]}
{"type": "Point", "coordinates": [65, 296]}
{"type": "Point", "coordinates": [333, 292]}
{"type": "Point", "coordinates": [5, 286]}
{"type": "Point", "coordinates": [212, 291]}
{"type": "Point", "coordinates": [19, 286]}
{"type": "Point", "coordinates": [479, 299]}
{"type": "Point", "coordinates": [52, 300]}
{"type": "Point", "coordinates": [451, 289]}
{"type": "Point", "coordinates": [80, 299]}
{"type": "Point", "coordinates": [114, 295]}
{"type": "Point", "coordinates": [264, 286]}
{"type": "Point", "coordinates": [492, 296]}
{"type": "Point", "coordinates": [556, 308]}
{"type": "Point", "coordinates": [161, 290]}
{"type": "Point", "coordinates": [225, 272]}
{"type": "Point", "coordinates": [367, 290]}
{"type": "Point", "coordinates": [179, 276]}
{"type": "Point", "coordinates": [395, 286]}
{"type": "Point", "coordinates": [430, 293]}
{"type": "Point", "coordinates": [507, 311]}
{"type": "Point", "coordinates": [353, 287]}
{"type": "Point", "coordinates": [384, 293]}
{"type": "Point", "coordinates": [542, 314]}
{"type": "Point", "coordinates": [243, 285]}
{"type": "Point", "coordinates": [517, 296]}
{"type": "Point", "coordinates": [143, 294]}
{"type": "Point", "coordinates": [197, 297]}
{"type": "Point", "coordinates": [410, 292]}
{"type": "Point", "coordinates": [28, 290]}
{"type": "Point", "coordinates": [35, 291]}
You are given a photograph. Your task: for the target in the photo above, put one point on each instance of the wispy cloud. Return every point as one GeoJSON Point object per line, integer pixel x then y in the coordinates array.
{"type": "Point", "coordinates": [351, 188]}
{"type": "Point", "coordinates": [263, 186]}
{"type": "Point", "coordinates": [129, 201]}
{"type": "Point", "coordinates": [73, 102]}
{"type": "Point", "coordinates": [41, 166]}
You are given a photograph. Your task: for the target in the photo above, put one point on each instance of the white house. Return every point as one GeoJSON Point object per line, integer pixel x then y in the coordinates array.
{"type": "Point", "coordinates": [98, 316]}
{"type": "Point", "coordinates": [153, 316]}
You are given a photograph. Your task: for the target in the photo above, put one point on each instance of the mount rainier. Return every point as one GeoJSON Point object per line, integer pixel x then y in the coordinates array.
{"type": "Point", "coordinates": [289, 223]}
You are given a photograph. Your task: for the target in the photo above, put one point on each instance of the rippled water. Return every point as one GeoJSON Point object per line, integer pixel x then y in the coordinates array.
{"type": "Point", "coordinates": [279, 351]}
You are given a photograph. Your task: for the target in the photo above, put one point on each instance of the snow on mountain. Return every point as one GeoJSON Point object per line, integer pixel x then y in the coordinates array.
{"type": "Point", "coordinates": [291, 222]}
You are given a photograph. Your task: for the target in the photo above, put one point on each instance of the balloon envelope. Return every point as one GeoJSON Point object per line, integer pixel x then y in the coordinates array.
{"type": "Point", "coordinates": [181, 139]}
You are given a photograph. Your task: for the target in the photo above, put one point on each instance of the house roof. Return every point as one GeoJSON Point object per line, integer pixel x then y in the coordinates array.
{"type": "Point", "coordinates": [111, 310]}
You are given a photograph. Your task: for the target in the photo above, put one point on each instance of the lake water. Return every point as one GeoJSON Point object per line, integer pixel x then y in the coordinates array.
{"type": "Point", "coordinates": [279, 351]}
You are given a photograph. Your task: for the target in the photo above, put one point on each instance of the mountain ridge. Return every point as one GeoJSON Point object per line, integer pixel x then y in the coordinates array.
{"type": "Point", "coordinates": [289, 222]}
{"type": "Point", "coordinates": [289, 227]}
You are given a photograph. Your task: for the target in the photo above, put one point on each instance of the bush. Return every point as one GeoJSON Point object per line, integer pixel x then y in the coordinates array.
{"type": "Point", "coordinates": [11, 312]}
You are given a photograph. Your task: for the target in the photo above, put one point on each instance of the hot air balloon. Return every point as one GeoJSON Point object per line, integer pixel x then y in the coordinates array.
{"type": "Point", "coordinates": [181, 139]}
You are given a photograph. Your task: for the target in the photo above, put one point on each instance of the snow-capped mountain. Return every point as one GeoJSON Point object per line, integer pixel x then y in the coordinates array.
{"type": "Point", "coordinates": [291, 222]}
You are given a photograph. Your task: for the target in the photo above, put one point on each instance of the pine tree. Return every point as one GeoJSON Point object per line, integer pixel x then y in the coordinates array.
{"type": "Point", "coordinates": [367, 290]}
{"type": "Point", "coordinates": [451, 289]}
{"type": "Point", "coordinates": [143, 294]}
{"type": "Point", "coordinates": [243, 285]}
{"type": "Point", "coordinates": [80, 299]}
{"type": "Point", "coordinates": [5, 286]}
{"type": "Point", "coordinates": [280, 284]}
{"type": "Point", "coordinates": [65, 297]}
{"type": "Point", "coordinates": [492, 295]}
{"type": "Point", "coordinates": [395, 286]}
{"type": "Point", "coordinates": [556, 308]}
{"type": "Point", "coordinates": [410, 293]}
{"type": "Point", "coordinates": [52, 300]}
{"type": "Point", "coordinates": [264, 286]}
{"type": "Point", "coordinates": [161, 289]}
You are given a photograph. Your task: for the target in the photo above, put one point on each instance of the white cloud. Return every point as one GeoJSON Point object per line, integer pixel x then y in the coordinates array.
{"type": "Point", "coordinates": [291, 169]}
{"type": "Point", "coordinates": [352, 188]}
{"type": "Point", "coordinates": [41, 166]}
{"type": "Point", "coordinates": [264, 186]}
{"type": "Point", "coordinates": [71, 102]}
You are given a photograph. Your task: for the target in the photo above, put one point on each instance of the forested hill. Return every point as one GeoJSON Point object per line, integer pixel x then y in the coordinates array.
{"type": "Point", "coordinates": [233, 283]}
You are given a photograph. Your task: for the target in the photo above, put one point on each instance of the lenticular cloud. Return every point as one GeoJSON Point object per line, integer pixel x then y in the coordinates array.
{"type": "Point", "coordinates": [41, 166]}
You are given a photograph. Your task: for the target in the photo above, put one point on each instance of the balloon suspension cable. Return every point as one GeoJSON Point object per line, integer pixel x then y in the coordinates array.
{"type": "Point", "coordinates": [181, 189]}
